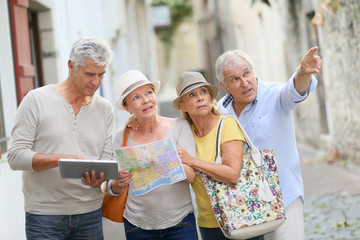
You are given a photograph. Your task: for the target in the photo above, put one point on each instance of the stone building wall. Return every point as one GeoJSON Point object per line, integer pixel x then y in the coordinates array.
{"type": "Point", "coordinates": [341, 44]}
{"type": "Point", "coordinates": [334, 126]}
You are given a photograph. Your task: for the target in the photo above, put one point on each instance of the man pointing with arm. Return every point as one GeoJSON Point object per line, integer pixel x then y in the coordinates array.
{"type": "Point", "coordinates": [265, 110]}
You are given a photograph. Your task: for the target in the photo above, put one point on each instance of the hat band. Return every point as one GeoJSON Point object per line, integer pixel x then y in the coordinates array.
{"type": "Point", "coordinates": [133, 86]}
{"type": "Point", "coordinates": [187, 87]}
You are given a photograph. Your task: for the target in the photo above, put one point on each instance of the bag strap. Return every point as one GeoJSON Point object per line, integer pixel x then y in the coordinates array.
{"type": "Point", "coordinates": [217, 158]}
{"type": "Point", "coordinates": [125, 136]}
{"type": "Point", "coordinates": [124, 143]}
{"type": "Point", "coordinates": [265, 193]}
{"type": "Point", "coordinates": [255, 152]}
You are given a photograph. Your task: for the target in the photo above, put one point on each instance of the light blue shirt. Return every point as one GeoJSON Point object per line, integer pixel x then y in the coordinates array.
{"type": "Point", "coordinates": [268, 121]}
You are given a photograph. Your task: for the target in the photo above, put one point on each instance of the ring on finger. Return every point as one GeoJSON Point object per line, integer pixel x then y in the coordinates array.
{"type": "Point", "coordinates": [120, 180]}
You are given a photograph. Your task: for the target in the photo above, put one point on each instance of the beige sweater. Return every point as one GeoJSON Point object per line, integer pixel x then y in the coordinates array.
{"type": "Point", "coordinates": [45, 123]}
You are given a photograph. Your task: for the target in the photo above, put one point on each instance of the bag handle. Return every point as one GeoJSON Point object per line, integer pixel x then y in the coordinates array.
{"type": "Point", "coordinates": [125, 136]}
{"type": "Point", "coordinates": [255, 152]}
{"type": "Point", "coordinates": [124, 143]}
{"type": "Point", "coordinates": [265, 193]}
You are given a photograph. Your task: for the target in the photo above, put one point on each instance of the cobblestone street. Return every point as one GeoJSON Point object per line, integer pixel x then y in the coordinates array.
{"type": "Point", "coordinates": [332, 216]}
{"type": "Point", "coordinates": [332, 197]}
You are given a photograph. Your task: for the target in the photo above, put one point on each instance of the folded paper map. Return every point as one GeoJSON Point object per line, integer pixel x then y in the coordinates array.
{"type": "Point", "coordinates": [152, 165]}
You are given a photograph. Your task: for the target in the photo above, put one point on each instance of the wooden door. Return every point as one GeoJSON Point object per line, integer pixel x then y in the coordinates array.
{"type": "Point", "coordinates": [24, 69]}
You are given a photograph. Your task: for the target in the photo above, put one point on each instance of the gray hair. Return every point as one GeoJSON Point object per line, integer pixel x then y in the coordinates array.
{"type": "Point", "coordinates": [231, 58]}
{"type": "Point", "coordinates": [95, 48]}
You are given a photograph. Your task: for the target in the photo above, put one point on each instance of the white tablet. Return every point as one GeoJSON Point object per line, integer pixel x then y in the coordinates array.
{"type": "Point", "coordinates": [76, 168]}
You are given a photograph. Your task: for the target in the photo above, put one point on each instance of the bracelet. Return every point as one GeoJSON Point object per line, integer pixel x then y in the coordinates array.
{"type": "Point", "coordinates": [108, 189]}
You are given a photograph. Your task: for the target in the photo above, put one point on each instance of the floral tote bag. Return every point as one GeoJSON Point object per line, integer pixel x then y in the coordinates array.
{"type": "Point", "coordinates": [253, 206]}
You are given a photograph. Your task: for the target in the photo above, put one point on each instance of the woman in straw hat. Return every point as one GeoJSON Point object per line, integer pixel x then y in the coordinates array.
{"type": "Point", "coordinates": [166, 212]}
{"type": "Point", "coordinates": [196, 103]}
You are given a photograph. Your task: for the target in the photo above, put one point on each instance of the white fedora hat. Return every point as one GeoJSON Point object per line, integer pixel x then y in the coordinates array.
{"type": "Point", "coordinates": [128, 82]}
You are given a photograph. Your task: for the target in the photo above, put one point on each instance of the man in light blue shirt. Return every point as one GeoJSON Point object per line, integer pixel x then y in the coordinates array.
{"type": "Point", "coordinates": [265, 110]}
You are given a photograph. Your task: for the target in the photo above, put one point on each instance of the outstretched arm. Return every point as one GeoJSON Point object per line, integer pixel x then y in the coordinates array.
{"type": "Point", "coordinates": [310, 64]}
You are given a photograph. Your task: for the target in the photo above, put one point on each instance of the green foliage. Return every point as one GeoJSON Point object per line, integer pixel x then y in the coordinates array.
{"type": "Point", "coordinates": [179, 11]}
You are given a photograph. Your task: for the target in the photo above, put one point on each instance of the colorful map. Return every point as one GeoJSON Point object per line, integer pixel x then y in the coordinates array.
{"type": "Point", "coordinates": [152, 165]}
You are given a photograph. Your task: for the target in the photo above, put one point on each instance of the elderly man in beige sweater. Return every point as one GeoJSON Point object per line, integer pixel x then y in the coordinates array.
{"type": "Point", "coordinates": [65, 120]}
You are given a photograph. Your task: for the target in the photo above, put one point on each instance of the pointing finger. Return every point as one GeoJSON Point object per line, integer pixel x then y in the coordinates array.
{"type": "Point", "coordinates": [313, 50]}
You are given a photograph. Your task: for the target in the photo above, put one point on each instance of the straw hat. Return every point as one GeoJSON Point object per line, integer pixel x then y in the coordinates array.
{"type": "Point", "coordinates": [128, 82]}
{"type": "Point", "coordinates": [188, 81]}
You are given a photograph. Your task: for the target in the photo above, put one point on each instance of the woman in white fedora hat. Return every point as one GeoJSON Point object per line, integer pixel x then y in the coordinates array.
{"type": "Point", "coordinates": [165, 212]}
{"type": "Point", "coordinates": [196, 101]}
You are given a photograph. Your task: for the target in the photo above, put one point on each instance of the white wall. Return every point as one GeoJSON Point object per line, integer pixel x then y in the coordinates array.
{"type": "Point", "coordinates": [259, 32]}
{"type": "Point", "coordinates": [7, 77]}
{"type": "Point", "coordinates": [12, 222]}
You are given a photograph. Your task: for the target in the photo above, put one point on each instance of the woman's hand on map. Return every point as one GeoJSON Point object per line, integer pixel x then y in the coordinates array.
{"type": "Point", "coordinates": [125, 178]}
{"type": "Point", "coordinates": [189, 171]}
{"type": "Point", "coordinates": [184, 156]}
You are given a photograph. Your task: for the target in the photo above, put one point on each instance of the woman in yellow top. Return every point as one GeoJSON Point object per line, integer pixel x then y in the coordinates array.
{"type": "Point", "coordinates": [195, 102]}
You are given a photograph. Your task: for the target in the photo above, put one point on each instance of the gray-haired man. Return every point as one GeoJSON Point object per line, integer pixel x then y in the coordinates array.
{"type": "Point", "coordinates": [265, 110]}
{"type": "Point", "coordinates": [65, 120]}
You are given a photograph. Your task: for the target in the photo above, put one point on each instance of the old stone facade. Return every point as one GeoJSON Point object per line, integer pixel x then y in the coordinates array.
{"type": "Point", "coordinates": [341, 41]}
{"type": "Point", "coordinates": [276, 38]}
{"type": "Point", "coordinates": [331, 120]}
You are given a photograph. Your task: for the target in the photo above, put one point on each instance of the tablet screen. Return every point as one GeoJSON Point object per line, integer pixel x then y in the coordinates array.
{"type": "Point", "coordinates": [76, 168]}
